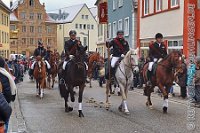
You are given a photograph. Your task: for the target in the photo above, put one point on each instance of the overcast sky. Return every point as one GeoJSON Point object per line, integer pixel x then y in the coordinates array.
{"type": "Point", "coordinates": [56, 4]}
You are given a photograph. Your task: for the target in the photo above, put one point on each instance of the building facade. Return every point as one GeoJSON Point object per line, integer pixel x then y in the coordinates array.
{"type": "Point", "coordinates": [29, 24]}
{"type": "Point", "coordinates": [79, 18]}
{"type": "Point", "coordinates": [121, 16]}
{"type": "Point", "coordinates": [102, 32]}
{"type": "Point", "coordinates": [169, 17]}
{"type": "Point", "coordinates": [4, 30]}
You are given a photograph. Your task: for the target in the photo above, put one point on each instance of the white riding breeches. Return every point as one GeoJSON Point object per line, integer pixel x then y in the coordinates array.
{"type": "Point", "coordinates": [114, 61]}
{"type": "Point", "coordinates": [151, 64]}
{"type": "Point", "coordinates": [48, 65]}
{"type": "Point", "coordinates": [46, 62]}
{"type": "Point", "coordinates": [65, 63]}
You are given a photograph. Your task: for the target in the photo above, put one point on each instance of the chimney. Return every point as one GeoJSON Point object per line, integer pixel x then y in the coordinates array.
{"type": "Point", "coordinates": [11, 3]}
{"type": "Point", "coordinates": [59, 12]}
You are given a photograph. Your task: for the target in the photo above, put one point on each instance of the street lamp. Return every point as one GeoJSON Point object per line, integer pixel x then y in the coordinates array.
{"type": "Point", "coordinates": [88, 35]}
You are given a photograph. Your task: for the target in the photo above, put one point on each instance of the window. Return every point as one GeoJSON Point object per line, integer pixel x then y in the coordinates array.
{"type": "Point", "coordinates": [23, 28]}
{"type": "Point", "coordinates": [83, 16]}
{"type": "Point", "coordinates": [126, 26]}
{"type": "Point", "coordinates": [76, 26]}
{"type": "Point", "coordinates": [120, 24]}
{"type": "Point", "coordinates": [100, 30]}
{"type": "Point", "coordinates": [80, 26]}
{"type": "Point", "coordinates": [85, 41]}
{"type": "Point", "coordinates": [114, 4]}
{"type": "Point", "coordinates": [31, 16]}
{"type": "Point", "coordinates": [84, 26]}
{"type": "Point", "coordinates": [64, 17]}
{"type": "Point", "coordinates": [31, 2]}
{"type": "Point", "coordinates": [48, 29]}
{"type": "Point", "coordinates": [23, 15]}
{"type": "Point", "coordinates": [92, 27]}
{"type": "Point", "coordinates": [13, 27]}
{"type": "Point", "coordinates": [146, 7]}
{"type": "Point", "coordinates": [2, 18]}
{"type": "Point", "coordinates": [86, 16]}
{"type": "Point", "coordinates": [60, 27]}
{"type": "Point", "coordinates": [120, 3]}
{"type": "Point", "coordinates": [114, 29]}
{"type": "Point", "coordinates": [158, 5]}
{"type": "Point", "coordinates": [39, 29]}
{"type": "Point", "coordinates": [39, 16]}
{"type": "Point", "coordinates": [109, 30]}
{"type": "Point", "coordinates": [88, 26]}
{"type": "Point", "coordinates": [24, 40]}
{"type": "Point", "coordinates": [31, 28]}
{"type": "Point", "coordinates": [31, 41]}
{"type": "Point", "coordinates": [174, 3]}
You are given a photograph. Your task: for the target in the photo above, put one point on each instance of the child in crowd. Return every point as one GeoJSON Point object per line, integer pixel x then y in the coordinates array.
{"type": "Point", "coordinates": [197, 83]}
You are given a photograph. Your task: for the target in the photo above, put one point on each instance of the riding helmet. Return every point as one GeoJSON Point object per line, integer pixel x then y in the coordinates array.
{"type": "Point", "coordinates": [72, 32]}
{"type": "Point", "coordinates": [158, 35]}
{"type": "Point", "coordinates": [120, 32]}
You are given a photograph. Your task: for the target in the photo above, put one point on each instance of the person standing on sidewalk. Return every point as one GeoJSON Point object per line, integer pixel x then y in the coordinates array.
{"type": "Point", "coordinates": [197, 83]}
{"type": "Point", "coordinates": [8, 86]}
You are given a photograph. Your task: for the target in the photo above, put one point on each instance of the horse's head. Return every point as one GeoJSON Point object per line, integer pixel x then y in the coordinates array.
{"type": "Point", "coordinates": [81, 52]}
{"type": "Point", "coordinates": [52, 57]}
{"type": "Point", "coordinates": [131, 59]}
{"type": "Point", "coordinates": [38, 58]}
{"type": "Point", "coordinates": [176, 61]}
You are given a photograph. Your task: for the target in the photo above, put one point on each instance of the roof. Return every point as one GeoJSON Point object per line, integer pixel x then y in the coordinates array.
{"type": "Point", "coordinates": [4, 6]}
{"type": "Point", "coordinates": [13, 17]}
{"type": "Point", "coordinates": [96, 2]}
{"type": "Point", "coordinates": [93, 10]}
{"type": "Point", "coordinates": [16, 3]}
{"type": "Point", "coordinates": [69, 13]}
{"type": "Point", "coordinates": [49, 19]}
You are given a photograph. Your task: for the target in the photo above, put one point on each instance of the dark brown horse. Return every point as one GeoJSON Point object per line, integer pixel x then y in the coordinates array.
{"type": "Point", "coordinates": [39, 74]}
{"type": "Point", "coordinates": [74, 75]}
{"type": "Point", "coordinates": [54, 70]}
{"type": "Point", "coordinates": [93, 58]}
{"type": "Point", "coordinates": [164, 77]}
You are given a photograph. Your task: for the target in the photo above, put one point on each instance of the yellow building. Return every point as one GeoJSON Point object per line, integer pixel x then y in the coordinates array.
{"type": "Point", "coordinates": [79, 18]}
{"type": "Point", "coordinates": [4, 30]}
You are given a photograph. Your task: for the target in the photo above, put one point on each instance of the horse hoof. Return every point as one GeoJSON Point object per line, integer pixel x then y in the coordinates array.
{"type": "Point", "coordinates": [120, 108]}
{"type": "Point", "coordinates": [147, 104]}
{"type": "Point", "coordinates": [69, 109]}
{"type": "Point", "coordinates": [150, 107]}
{"type": "Point", "coordinates": [165, 110]}
{"type": "Point", "coordinates": [80, 113]}
{"type": "Point", "coordinates": [127, 112]}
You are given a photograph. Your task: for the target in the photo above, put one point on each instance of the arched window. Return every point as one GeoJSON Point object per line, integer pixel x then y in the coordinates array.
{"type": "Point", "coordinates": [31, 2]}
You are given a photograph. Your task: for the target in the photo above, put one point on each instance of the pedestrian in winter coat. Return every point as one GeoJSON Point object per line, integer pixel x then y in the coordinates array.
{"type": "Point", "coordinates": [197, 83]}
{"type": "Point", "coordinates": [8, 86]}
{"type": "Point", "coordinates": [182, 80]}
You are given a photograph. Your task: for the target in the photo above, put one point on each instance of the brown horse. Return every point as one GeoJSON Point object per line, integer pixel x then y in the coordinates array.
{"type": "Point", "coordinates": [54, 70]}
{"type": "Point", "coordinates": [39, 74]}
{"type": "Point", "coordinates": [164, 77]}
{"type": "Point", "coordinates": [95, 57]}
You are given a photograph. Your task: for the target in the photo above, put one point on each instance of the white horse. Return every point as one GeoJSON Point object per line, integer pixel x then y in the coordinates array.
{"type": "Point", "coordinates": [124, 78]}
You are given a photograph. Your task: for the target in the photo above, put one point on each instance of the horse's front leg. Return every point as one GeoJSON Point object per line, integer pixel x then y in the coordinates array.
{"type": "Point", "coordinates": [124, 99]}
{"type": "Point", "coordinates": [80, 98]}
{"type": "Point", "coordinates": [53, 81]}
{"type": "Point", "coordinates": [67, 107]}
{"type": "Point", "coordinates": [148, 91]}
{"type": "Point", "coordinates": [165, 100]}
{"type": "Point", "coordinates": [37, 88]}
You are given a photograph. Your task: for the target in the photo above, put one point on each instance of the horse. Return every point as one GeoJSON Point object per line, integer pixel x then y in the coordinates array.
{"type": "Point", "coordinates": [39, 73]}
{"type": "Point", "coordinates": [54, 70]}
{"type": "Point", "coordinates": [95, 57]}
{"type": "Point", "coordinates": [74, 75]}
{"type": "Point", "coordinates": [124, 78]}
{"type": "Point", "coordinates": [165, 74]}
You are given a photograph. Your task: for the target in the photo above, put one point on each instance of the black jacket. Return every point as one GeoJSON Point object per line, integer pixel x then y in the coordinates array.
{"type": "Point", "coordinates": [6, 88]}
{"type": "Point", "coordinates": [69, 45]}
{"type": "Point", "coordinates": [40, 51]}
{"type": "Point", "coordinates": [47, 56]}
{"type": "Point", "coordinates": [120, 46]}
{"type": "Point", "coordinates": [156, 51]}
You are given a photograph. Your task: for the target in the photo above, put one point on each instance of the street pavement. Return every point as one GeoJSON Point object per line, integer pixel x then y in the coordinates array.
{"type": "Point", "coordinates": [47, 115]}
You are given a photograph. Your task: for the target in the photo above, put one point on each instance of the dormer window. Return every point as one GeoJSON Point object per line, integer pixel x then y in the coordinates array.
{"type": "Point", "coordinates": [31, 2]}
{"type": "Point", "coordinates": [64, 17]}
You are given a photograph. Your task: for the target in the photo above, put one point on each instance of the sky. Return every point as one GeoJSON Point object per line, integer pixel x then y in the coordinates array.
{"type": "Point", "coordinates": [56, 4]}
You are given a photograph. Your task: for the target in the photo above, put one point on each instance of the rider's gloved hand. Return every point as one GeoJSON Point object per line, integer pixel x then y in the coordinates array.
{"type": "Point", "coordinates": [122, 55]}
{"type": "Point", "coordinates": [71, 56]}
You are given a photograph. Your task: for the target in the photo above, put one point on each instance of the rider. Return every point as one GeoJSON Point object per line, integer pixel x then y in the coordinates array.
{"type": "Point", "coordinates": [40, 51]}
{"type": "Point", "coordinates": [69, 46]}
{"type": "Point", "coordinates": [157, 51]}
{"type": "Point", "coordinates": [47, 57]}
{"type": "Point", "coordinates": [120, 48]}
